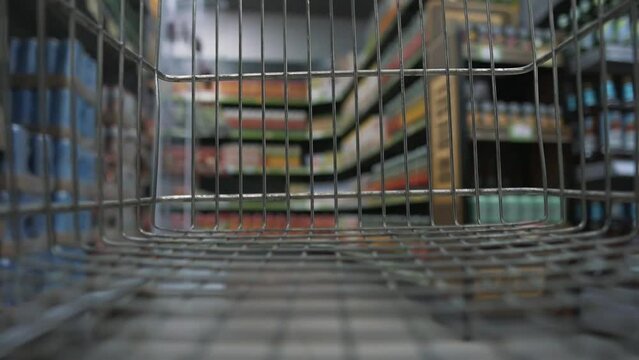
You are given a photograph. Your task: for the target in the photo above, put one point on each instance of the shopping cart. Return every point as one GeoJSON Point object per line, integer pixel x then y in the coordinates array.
{"type": "Point", "coordinates": [456, 250]}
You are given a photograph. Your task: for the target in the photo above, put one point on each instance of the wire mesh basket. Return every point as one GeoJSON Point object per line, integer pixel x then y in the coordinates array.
{"type": "Point", "coordinates": [257, 179]}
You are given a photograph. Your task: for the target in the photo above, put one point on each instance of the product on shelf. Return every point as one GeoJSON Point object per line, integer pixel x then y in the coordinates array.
{"type": "Point", "coordinates": [520, 119]}
{"type": "Point", "coordinates": [323, 162]}
{"type": "Point", "coordinates": [395, 175]}
{"type": "Point", "coordinates": [369, 141]}
{"type": "Point", "coordinates": [175, 159]}
{"type": "Point", "coordinates": [20, 147]}
{"type": "Point", "coordinates": [412, 40]}
{"type": "Point", "coordinates": [368, 89]}
{"type": "Point", "coordinates": [505, 38]}
{"type": "Point", "coordinates": [616, 31]}
{"type": "Point", "coordinates": [590, 95]}
{"type": "Point", "coordinates": [61, 96]}
{"type": "Point", "coordinates": [616, 90]}
{"type": "Point", "coordinates": [516, 208]}
{"type": "Point", "coordinates": [24, 55]}
{"type": "Point", "coordinates": [274, 91]}
{"type": "Point", "coordinates": [619, 118]}
{"type": "Point", "coordinates": [629, 132]}
{"type": "Point", "coordinates": [273, 119]}
{"type": "Point", "coordinates": [627, 90]}
{"type": "Point", "coordinates": [590, 138]}
{"type": "Point", "coordinates": [611, 91]}
{"type": "Point", "coordinates": [323, 126]}
{"type": "Point", "coordinates": [411, 105]}
{"type": "Point", "coordinates": [276, 157]}
{"type": "Point", "coordinates": [388, 12]}
{"type": "Point", "coordinates": [24, 107]}
{"type": "Point", "coordinates": [615, 130]}
{"type": "Point", "coordinates": [252, 157]}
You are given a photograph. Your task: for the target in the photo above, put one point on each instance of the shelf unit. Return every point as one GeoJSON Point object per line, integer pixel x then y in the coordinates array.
{"type": "Point", "coordinates": [619, 61]}
{"type": "Point", "coordinates": [416, 126]}
{"type": "Point", "coordinates": [58, 16]}
{"type": "Point", "coordinates": [514, 137]}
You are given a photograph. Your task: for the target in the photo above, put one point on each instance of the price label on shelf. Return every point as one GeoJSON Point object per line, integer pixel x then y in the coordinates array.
{"type": "Point", "coordinates": [521, 132]}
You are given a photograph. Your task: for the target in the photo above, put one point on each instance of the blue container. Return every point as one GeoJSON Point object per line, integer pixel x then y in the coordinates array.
{"type": "Point", "coordinates": [30, 56]}
{"type": "Point", "coordinates": [63, 61]}
{"type": "Point", "coordinates": [87, 124]}
{"type": "Point", "coordinates": [38, 143]}
{"type": "Point", "coordinates": [628, 90]}
{"type": "Point", "coordinates": [60, 109]}
{"type": "Point", "coordinates": [20, 139]}
{"type": "Point", "coordinates": [80, 109]}
{"type": "Point", "coordinates": [611, 91]}
{"type": "Point", "coordinates": [15, 62]}
{"type": "Point", "coordinates": [24, 107]}
{"type": "Point", "coordinates": [52, 51]}
{"type": "Point", "coordinates": [87, 166]}
{"type": "Point", "coordinates": [596, 212]}
{"type": "Point", "coordinates": [91, 69]}
{"type": "Point", "coordinates": [62, 221]}
{"type": "Point", "coordinates": [63, 160]}
{"type": "Point", "coordinates": [590, 96]}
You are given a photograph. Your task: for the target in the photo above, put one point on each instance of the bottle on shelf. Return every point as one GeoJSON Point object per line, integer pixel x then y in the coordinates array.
{"type": "Point", "coordinates": [615, 131]}
{"type": "Point", "coordinates": [629, 132]}
{"type": "Point", "coordinates": [624, 34]}
{"type": "Point", "coordinates": [502, 111]}
{"type": "Point", "coordinates": [627, 90]}
{"type": "Point", "coordinates": [513, 114]}
{"type": "Point", "coordinates": [590, 95]}
{"type": "Point", "coordinates": [586, 15]}
{"type": "Point", "coordinates": [611, 91]}
{"type": "Point", "coordinates": [590, 137]}
{"type": "Point", "coordinates": [563, 23]}
{"type": "Point", "coordinates": [596, 217]}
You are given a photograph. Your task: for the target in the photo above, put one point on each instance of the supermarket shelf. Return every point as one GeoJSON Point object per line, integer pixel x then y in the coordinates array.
{"type": "Point", "coordinates": [303, 205]}
{"type": "Point", "coordinates": [505, 55]}
{"type": "Point", "coordinates": [227, 134]}
{"type": "Point", "coordinates": [251, 134]}
{"type": "Point", "coordinates": [57, 82]}
{"type": "Point", "coordinates": [618, 57]}
{"type": "Point", "coordinates": [298, 171]}
{"type": "Point", "coordinates": [619, 168]}
{"type": "Point", "coordinates": [209, 98]}
{"type": "Point", "coordinates": [528, 137]}
{"type": "Point", "coordinates": [31, 184]}
{"type": "Point", "coordinates": [57, 26]}
{"type": "Point", "coordinates": [252, 171]}
{"type": "Point", "coordinates": [388, 24]}
{"type": "Point", "coordinates": [373, 153]}
{"type": "Point", "coordinates": [612, 106]}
